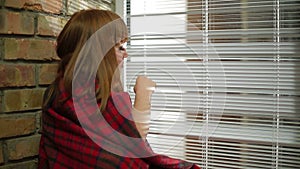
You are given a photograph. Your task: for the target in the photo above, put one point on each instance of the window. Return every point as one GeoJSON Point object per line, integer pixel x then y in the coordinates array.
{"type": "Point", "coordinates": [227, 73]}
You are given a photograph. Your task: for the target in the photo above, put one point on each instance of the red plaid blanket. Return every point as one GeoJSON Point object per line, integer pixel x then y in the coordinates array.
{"type": "Point", "coordinates": [76, 135]}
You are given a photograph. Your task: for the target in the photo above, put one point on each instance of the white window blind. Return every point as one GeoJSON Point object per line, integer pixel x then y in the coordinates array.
{"type": "Point", "coordinates": [227, 74]}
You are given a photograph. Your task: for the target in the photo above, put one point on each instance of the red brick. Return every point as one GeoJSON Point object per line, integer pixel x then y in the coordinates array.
{"type": "Point", "coordinates": [16, 3]}
{"type": "Point", "coordinates": [16, 23]}
{"type": "Point", "coordinates": [49, 25]}
{"type": "Point", "coordinates": [1, 155]}
{"type": "Point", "coordinates": [17, 75]}
{"type": "Point", "coordinates": [32, 164]}
{"type": "Point", "coordinates": [76, 5]}
{"type": "Point", "coordinates": [51, 6]}
{"type": "Point", "coordinates": [29, 49]}
{"type": "Point", "coordinates": [47, 73]}
{"type": "Point", "coordinates": [15, 125]}
{"type": "Point", "coordinates": [19, 100]}
{"type": "Point", "coordinates": [23, 147]}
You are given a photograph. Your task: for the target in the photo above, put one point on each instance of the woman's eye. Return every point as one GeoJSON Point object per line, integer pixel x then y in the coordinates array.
{"type": "Point", "coordinates": [121, 48]}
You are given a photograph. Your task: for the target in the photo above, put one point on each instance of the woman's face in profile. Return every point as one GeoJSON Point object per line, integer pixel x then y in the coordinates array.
{"type": "Point", "coordinates": [121, 54]}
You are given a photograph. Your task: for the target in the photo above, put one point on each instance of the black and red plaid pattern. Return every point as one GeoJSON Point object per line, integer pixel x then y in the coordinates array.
{"type": "Point", "coordinates": [75, 135]}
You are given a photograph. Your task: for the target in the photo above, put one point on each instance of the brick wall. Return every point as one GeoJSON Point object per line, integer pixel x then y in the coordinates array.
{"type": "Point", "coordinates": [28, 62]}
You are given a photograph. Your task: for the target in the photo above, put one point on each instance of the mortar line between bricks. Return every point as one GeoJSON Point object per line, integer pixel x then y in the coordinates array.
{"type": "Point", "coordinates": [2, 150]}
{"type": "Point", "coordinates": [5, 152]}
{"type": "Point", "coordinates": [20, 36]}
{"type": "Point", "coordinates": [12, 9]}
{"type": "Point", "coordinates": [35, 25]}
{"type": "Point", "coordinates": [65, 9]}
{"type": "Point", "coordinates": [21, 161]}
{"type": "Point", "coordinates": [38, 120]}
{"type": "Point", "coordinates": [37, 72]}
{"type": "Point", "coordinates": [2, 101]}
{"type": "Point", "coordinates": [23, 61]}
{"type": "Point", "coordinates": [1, 51]}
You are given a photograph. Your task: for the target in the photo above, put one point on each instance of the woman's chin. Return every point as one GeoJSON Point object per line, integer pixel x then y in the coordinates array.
{"type": "Point", "coordinates": [121, 65]}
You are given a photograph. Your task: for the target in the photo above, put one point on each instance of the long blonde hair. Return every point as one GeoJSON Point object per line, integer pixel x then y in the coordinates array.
{"type": "Point", "coordinates": [81, 26]}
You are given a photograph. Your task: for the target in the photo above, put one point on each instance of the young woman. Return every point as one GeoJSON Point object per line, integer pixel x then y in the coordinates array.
{"type": "Point", "coordinates": [88, 121]}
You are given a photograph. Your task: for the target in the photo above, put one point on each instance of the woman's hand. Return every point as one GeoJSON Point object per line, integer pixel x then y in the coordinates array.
{"type": "Point", "coordinates": [144, 87]}
{"type": "Point", "coordinates": [144, 84]}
